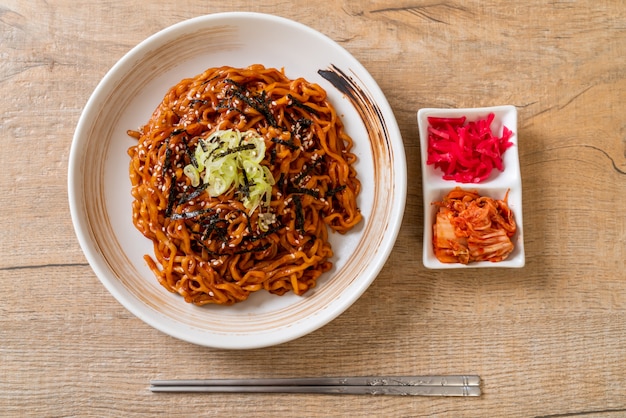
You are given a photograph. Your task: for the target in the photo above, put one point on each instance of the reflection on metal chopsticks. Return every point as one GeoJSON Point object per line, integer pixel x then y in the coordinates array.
{"type": "Point", "coordinates": [457, 385]}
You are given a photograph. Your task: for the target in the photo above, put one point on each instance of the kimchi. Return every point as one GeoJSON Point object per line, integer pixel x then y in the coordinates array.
{"type": "Point", "coordinates": [470, 227]}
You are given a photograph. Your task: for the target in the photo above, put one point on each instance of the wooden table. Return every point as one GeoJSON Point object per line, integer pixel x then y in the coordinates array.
{"type": "Point", "coordinates": [548, 340]}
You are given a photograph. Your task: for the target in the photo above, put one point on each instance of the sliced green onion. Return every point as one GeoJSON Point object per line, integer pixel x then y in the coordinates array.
{"type": "Point", "coordinates": [221, 160]}
{"type": "Point", "coordinates": [193, 174]}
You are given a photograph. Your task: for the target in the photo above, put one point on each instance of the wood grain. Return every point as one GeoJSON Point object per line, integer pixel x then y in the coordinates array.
{"type": "Point", "coordinates": [548, 340]}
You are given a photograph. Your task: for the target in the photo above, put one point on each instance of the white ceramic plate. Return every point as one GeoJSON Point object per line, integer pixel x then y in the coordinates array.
{"type": "Point", "coordinates": [99, 188]}
{"type": "Point", "coordinates": [495, 186]}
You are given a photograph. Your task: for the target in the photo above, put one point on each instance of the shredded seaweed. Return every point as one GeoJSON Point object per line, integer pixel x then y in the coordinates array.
{"type": "Point", "coordinates": [211, 79]}
{"type": "Point", "coordinates": [195, 101]}
{"type": "Point", "coordinates": [289, 144]}
{"type": "Point", "coordinates": [304, 190]}
{"type": "Point", "coordinates": [211, 227]}
{"type": "Point", "coordinates": [272, 156]}
{"type": "Point", "coordinates": [299, 214]}
{"type": "Point", "coordinates": [171, 197]}
{"type": "Point", "coordinates": [190, 215]}
{"type": "Point", "coordinates": [192, 158]}
{"type": "Point", "coordinates": [310, 167]}
{"type": "Point", "coordinates": [168, 157]}
{"type": "Point", "coordinates": [259, 102]}
{"type": "Point", "coordinates": [297, 103]}
{"type": "Point", "coordinates": [244, 188]}
{"type": "Point", "coordinates": [332, 192]}
{"type": "Point", "coordinates": [233, 150]}
{"type": "Point", "coordinates": [225, 105]}
{"type": "Point", "coordinates": [186, 197]}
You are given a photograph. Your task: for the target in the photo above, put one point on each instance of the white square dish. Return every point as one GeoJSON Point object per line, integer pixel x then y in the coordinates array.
{"type": "Point", "coordinates": [495, 186]}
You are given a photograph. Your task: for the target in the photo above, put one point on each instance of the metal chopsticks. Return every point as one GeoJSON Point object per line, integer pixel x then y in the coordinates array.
{"type": "Point", "coordinates": [453, 385]}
